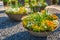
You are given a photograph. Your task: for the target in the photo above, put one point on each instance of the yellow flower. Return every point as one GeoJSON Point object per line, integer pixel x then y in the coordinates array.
{"type": "Point", "coordinates": [21, 10]}
{"type": "Point", "coordinates": [34, 26]}
{"type": "Point", "coordinates": [41, 28]}
{"type": "Point", "coordinates": [43, 11]}
{"type": "Point", "coordinates": [24, 23]}
{"type": "Point", "coordinates": [43, 21]}
{"type": "Point", "coordinates": [35, 4]}
{"type": "Point", "coordinates": [51, 24]}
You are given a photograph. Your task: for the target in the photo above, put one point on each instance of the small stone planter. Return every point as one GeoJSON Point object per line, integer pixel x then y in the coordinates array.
{"type": "Point", "coordinates": [37, 8]}
{"type": "Point", "coordinates": [16, 17]}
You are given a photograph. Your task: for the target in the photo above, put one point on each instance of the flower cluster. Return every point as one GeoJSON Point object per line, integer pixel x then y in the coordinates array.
{"type": "Point", "coordinates": [28, 7]}
{"type": "Point", "coordinates": [41, 22]}
{"type": "Point", "coordinates": [37, 6]}
{"type": "Point", "coordinates": [21, 10]}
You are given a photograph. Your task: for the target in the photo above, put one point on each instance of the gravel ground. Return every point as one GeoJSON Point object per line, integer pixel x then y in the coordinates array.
{"type": "Point", "coordinates": [8, 27]}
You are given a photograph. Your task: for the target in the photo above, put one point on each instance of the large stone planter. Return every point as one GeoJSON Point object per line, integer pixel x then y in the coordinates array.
{"type": "Point", "coordinates": [43, 34]}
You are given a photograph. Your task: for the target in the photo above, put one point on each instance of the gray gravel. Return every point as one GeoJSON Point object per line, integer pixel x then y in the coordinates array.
{"type": "Point", "coordinates": [10, 31]}
{"type": "Point", "coordinates": [6, 30]}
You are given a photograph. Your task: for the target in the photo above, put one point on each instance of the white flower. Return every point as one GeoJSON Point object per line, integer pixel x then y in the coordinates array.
{"type": "Point", "coordinates": [28, 9]}
{"type": "Point", "coordinates": [27, 5]}
{"type": "Point", "coordinates": [56, 22]}
{"type": "Point", "coordinates": [45, 26]}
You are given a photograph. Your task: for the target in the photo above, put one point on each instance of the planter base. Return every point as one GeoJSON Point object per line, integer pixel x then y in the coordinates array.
{"type": "Point", "coordinates": [16, 17]}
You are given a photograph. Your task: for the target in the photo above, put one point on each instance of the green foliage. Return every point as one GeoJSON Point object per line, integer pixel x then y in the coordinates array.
{"type": "Point", "coordinates": [5, 0]}
{"type": "Point", "coordinates": [13, 3]}
{"type": "Point", "coordinates": [42, 1]}
{"type": "Point", "coordinates": [35, 19]}
{"type": "Point", "coordinates": [37, 22]}
{"type": "Point", "coordinates": [26, 1]}
{"type": "Point", "coordinates": [12, 11]}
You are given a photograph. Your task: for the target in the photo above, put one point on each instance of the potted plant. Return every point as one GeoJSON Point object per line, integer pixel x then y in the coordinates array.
{"type": "Point", "coordinates": [37, 6]}
{"type": "Point", "coordinates": [16, 12]}
{"type": "Point", "coordinates": [40, 24]}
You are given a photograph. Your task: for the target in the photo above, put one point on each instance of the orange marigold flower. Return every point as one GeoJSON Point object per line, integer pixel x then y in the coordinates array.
{"type": "Point", "coordinates": [49, 23]}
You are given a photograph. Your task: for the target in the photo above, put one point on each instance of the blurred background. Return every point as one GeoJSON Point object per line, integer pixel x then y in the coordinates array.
{"type": "Point", "coordinates": [48, 1]}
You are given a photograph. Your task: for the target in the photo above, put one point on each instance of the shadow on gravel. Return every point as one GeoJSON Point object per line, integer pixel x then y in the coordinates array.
{"type": "Point", "coordinates": [24, 36]}
{"type": "Point", "coordinates": [5, 22]}
{"type": "Point", "coordinates": [2, 11]}
{"type": "Point", "coordinates": [58, 15]}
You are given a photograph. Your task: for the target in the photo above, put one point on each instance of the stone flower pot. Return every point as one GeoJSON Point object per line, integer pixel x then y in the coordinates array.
{"type": "Point", "coordinates": [43, 34]}
{"type": "Point", "coordinates": [16, 17]}
{"type": "Point", "coordinates": [37, 8]}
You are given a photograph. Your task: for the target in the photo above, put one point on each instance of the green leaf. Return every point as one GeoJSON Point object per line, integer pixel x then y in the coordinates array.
{"type": "Point", "coordinates": [26, 1]}
{"type": "Point", "coordinates": [42, 1]}
{"type": "Point", "coordinates": [5, 0]}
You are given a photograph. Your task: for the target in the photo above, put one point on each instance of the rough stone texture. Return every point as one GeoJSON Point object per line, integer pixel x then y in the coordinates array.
{"type": "Point", "coordinates": [53, 9]}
